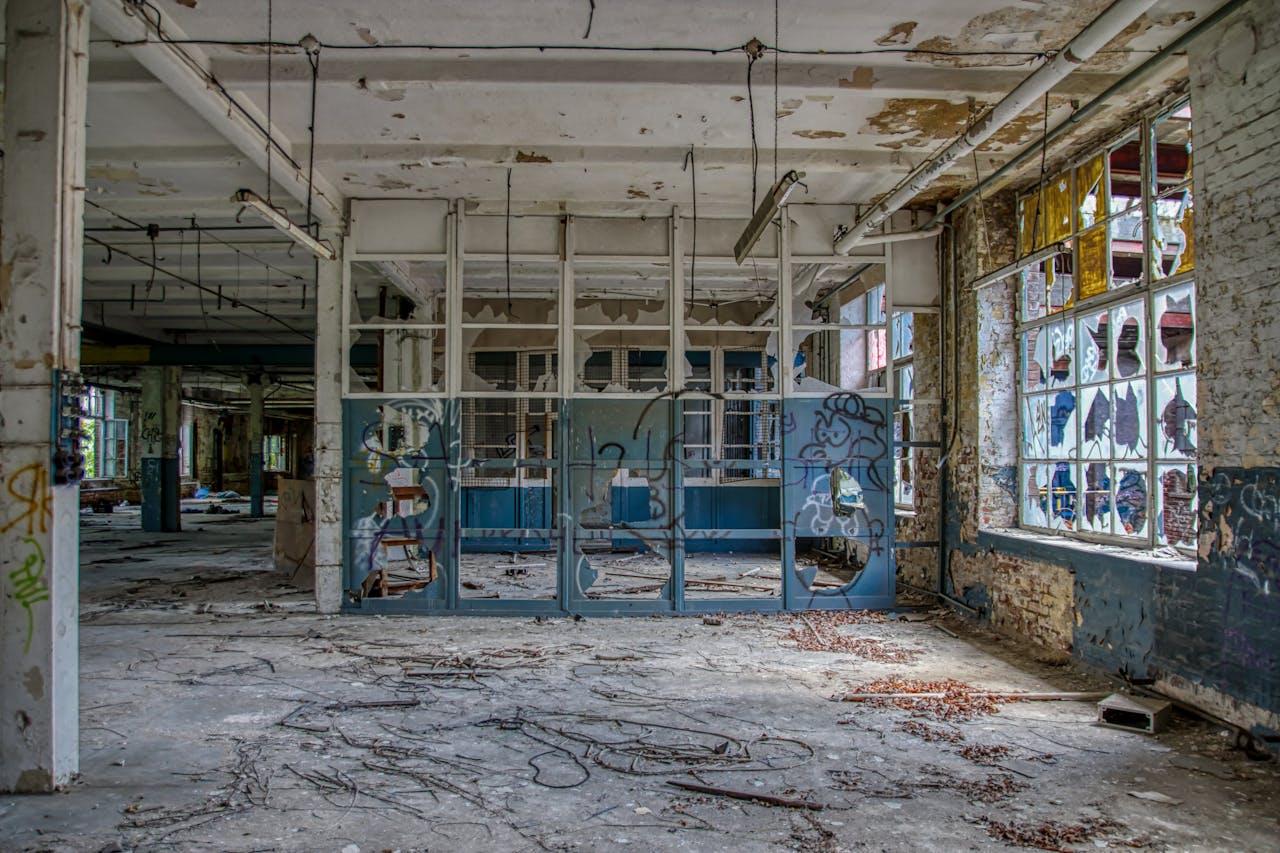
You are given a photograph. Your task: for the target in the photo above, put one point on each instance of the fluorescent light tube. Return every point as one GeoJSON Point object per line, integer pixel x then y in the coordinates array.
{"type": "Point", "coordinates": [296, 233]}
{"type": "Point", "coordinates": [769, 207]}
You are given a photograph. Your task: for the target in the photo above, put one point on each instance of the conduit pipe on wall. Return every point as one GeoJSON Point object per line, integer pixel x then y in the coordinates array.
{"type": "Point", "coordinates": [1077, 51]}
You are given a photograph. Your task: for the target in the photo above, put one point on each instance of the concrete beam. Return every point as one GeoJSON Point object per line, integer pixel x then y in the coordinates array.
{"type": "Point", "coordinates": [46, 66]}
{"type": "Point", "coordinates": [188, 72]}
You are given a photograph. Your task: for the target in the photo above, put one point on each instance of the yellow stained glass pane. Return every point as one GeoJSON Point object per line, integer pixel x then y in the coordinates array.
{"type": "Point", "coordinates": [1092, 275]}
{"type": "Point", "coordinates": [1057, 210]}
{"type": "Point", "coordinates": [1187, 222]}
{"type": "Point", "coordinates": [1029, 225]}
{"type": "Point", "coordinates": [1090, 192]}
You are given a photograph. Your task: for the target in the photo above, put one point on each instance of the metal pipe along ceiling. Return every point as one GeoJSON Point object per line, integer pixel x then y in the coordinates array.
{"type": "Point", "coordinates": [1077, 51]}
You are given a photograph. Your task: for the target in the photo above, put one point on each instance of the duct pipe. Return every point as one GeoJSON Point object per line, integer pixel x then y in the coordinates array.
{"type": "Point", "coordinates": [1077, 51]}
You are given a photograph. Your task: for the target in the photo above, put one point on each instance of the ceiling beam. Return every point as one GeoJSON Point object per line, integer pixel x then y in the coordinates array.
{"type": "Point", "coordinates": [809, 75]}
{"type": "Point", "coordinates": [188, 72]}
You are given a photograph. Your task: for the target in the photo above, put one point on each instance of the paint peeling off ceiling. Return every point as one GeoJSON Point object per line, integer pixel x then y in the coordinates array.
{"type": "Point", "coordinates": [581, 130]}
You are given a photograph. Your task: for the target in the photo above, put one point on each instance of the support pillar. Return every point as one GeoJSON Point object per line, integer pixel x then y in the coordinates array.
{"type": "Point", "coordinates": [46, 74]}
{"type": "Point", "coordinates": [161, 420]}
{"type": "Point", "coordinates": [329, 455]}
{"type": "Point", "coordinates": [255, 447]}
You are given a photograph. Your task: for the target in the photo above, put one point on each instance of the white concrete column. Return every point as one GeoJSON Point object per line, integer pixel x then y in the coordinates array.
{"type": "Point", "coordinates": [255, 446]}
{"type": "Point", "coordinates": [330, 362]}
{"type": "Point", "coordinates": [46, 76]}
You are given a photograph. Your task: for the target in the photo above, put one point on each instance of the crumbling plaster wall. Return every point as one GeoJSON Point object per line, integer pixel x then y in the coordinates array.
{"type": "Point", "coordinates": [1210, 635]}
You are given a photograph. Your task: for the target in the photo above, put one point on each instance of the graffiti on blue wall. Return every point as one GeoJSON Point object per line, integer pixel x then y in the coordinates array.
{"type": "Point", "coordinates": [828, 479]}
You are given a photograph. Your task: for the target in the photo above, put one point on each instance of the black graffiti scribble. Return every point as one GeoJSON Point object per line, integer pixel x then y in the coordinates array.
{"type": "Point", "coordinates": [835, 437]}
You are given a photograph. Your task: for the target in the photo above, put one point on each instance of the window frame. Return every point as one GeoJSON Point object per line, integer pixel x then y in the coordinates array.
{"type": "Point", "coordinates": [1148, 289]}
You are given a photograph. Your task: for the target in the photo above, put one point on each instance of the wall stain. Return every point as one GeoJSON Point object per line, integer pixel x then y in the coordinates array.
{"type": "Point", "coordinates": [820, 134]}
{"type": "Point", "coordinates": [898, 34]}
{"type": "Point", "coordinates": [860, 77]}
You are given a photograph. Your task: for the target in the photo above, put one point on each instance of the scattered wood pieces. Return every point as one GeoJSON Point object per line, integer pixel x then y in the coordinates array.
{"type": "Point", "coordinates": [767, 799]}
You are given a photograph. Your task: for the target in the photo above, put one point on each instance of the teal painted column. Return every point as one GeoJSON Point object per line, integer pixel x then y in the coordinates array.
{"type": "Point", "coordinates": [255, 448]}
{"type": "Point", "coordinates": [158, 434]}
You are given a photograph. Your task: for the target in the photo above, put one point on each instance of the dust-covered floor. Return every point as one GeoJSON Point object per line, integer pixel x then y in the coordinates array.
{"type": "Point", "coordinates": [220, 713]}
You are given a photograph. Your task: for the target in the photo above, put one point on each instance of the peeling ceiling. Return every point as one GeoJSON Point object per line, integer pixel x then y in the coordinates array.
{"type": "Point", "coordinates": [580, 128]}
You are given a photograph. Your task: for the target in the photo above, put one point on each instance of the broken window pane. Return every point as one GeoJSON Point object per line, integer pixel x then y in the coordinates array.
{"type": "Point", "coordinates": [397, 360]}
{"type": "Point", "coordinates": [1091, 200]}
{"type": "Point", "coordinates": [1062, 496]}
{"type": "Point", "coordinates": [1124, 174]}
{"type": "Point", "coordinates": [532, 299]}
{"type": "Point", "coordinates": [1035, 426]}
{"type": "Point", "coordinates": [1057, 209]}
{"type": "Point", "coordinates": [1094, 348]}
{"type": "Point", "coordinates": [722, 293]}
{"type": "Point", "coordinates": [610, 293]}
{"type": "Point", "coordinates": [1062, 424]}
{"type": "Point", "coordinates": [1094, 267]}
{"type": "Point", "coordinates": [1171, 235]}
{"type": "Point", "coordinates": [1129, 414]}
{"type": "Point", "coordinates": [1033, 292]}
{"type": "Point", "coordinates": [1062, 344]}
{"type": "Point", "coordinates": [397, 293]}
{"type": "Point", "coordinates": [1127, 345]}
{"type": "Point", "coordinates": [1035, 355]}
{"type": "Point", "coordinates": [1062, 293]}
{"type": "Point", "coordinates": [620, 360]}
{"type": "Point", "coordinates": [491, 359]}
{"type": "Point", "coordinates": [1176, 411]}
{"type": "Point", "coordinates": [1130, 500]}
{"type": "Point", "coordinates": [1171, 138]}
{"type": "Point", "coordinates": [1175, 325]}
{"type": "Point", "coordinates": [846, 492]}
{"type": "Point", "coordinates": [1095, 422]}
{"type": "Point", "coordinates": [1177, 506]}
{"type": "Point", "coordinates": [1035, 494]}
{"type": "Point", "coordinates": [1094, 510]}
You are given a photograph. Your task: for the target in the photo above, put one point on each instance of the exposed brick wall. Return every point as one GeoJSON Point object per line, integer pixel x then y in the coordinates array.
{"type": "Point", "coordinates": [1235, 95]}
{"type": "Point", "coordinates": [1209, 636]}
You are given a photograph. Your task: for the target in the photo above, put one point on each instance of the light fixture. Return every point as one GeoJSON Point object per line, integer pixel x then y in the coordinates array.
{"type": "Point", "coordinates": [1020, 265]}
{"type": "Point", "coordinates": [295, 232]}
{"type": "Point", "coordinates": [769, 207]}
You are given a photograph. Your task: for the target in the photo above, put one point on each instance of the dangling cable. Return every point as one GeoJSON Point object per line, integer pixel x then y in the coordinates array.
{"type": "Point", "coordinates": [313, 58]}
{"type": "Point", "coordinates": [270, 129]}
{"type": "Point", "coordinates": [692, 168]}
{"type": "Point", "coordinates": [776, 55]}
{"type": "Point", "coordinates": [508, 242]}
{"type": "Point", "coordinates": [751, 108]}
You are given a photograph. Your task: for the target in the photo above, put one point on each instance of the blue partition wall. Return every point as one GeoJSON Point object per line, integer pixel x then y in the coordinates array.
{"type": "Point", "coordinates": [404, 501]}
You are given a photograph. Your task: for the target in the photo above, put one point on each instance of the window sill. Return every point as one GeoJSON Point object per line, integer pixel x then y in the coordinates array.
{"type": "Point", "coordinates": [1026, 543]}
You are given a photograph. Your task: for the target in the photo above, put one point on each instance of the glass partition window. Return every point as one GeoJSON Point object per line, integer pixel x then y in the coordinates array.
{"type": "Point", "coordinates": [1107, 383]}
{"type": "Point", "coordinates": [840, 329]}
{"type": "Point", "coordinates": [396, 327]}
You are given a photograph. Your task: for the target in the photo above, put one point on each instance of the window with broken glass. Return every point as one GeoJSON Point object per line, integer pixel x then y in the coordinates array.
{"type": "Point", "coordinates": [1107, 384]}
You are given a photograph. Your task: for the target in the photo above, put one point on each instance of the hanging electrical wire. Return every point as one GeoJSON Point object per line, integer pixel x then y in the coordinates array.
{"type": "Point", "coordinates": [754, 49]}
{"type": "Point", "coordinates": [312, 46]}
{"type": "Point", "coordinates": [692, 168]}
{"type": "Point", "coordinates": [507, 249]}
{"type": "Point", "coordinates": [156, 268]}
{"type": "Point", "coordinates": [270, 127]}
{"type": "Point", "coordinates": [776, 57]}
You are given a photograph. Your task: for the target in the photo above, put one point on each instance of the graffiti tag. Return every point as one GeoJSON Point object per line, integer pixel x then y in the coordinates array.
{"type": "Point", "coordinates": [29, 587]}
{"type": "Point", "coordinates": [30, 487]}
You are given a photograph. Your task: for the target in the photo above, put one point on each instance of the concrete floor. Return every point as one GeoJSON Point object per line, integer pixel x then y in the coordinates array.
{"type": "Point", "coordinates": [220, 713]}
